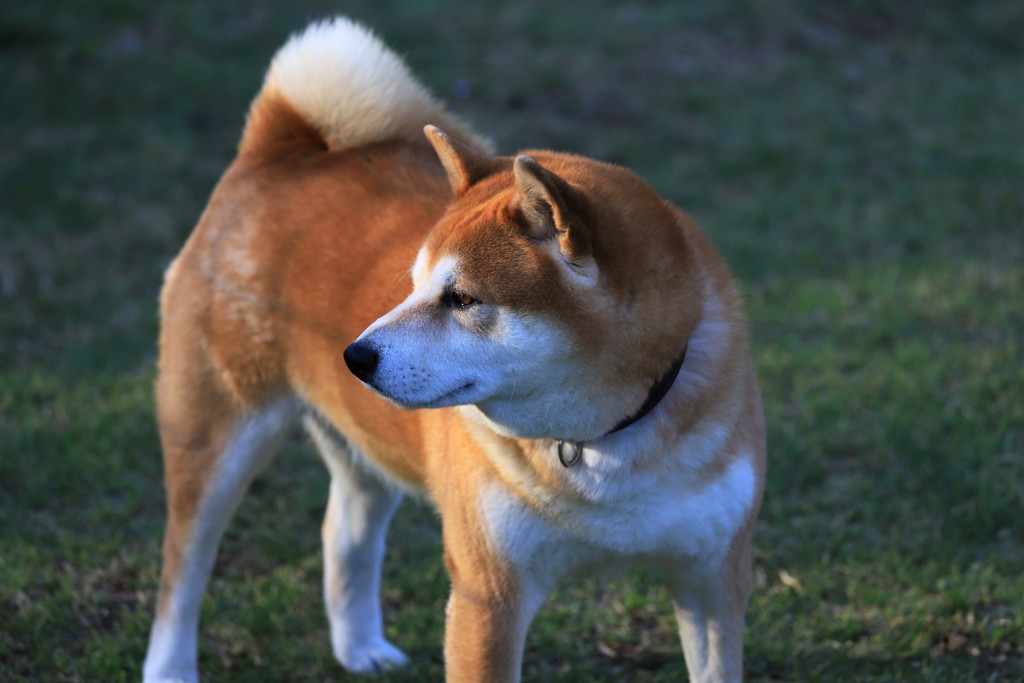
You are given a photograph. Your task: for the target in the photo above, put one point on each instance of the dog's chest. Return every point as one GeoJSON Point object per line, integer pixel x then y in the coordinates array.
{"type": "Point", "coordinates": [622, 517]}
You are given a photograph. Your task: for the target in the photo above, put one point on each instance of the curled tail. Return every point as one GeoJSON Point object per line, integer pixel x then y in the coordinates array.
{"type": "Point", "coordinates": [336, 86]}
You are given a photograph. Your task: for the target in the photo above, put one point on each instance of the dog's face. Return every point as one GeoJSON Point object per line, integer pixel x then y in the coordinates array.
{"type": "Point", "coordinates": [511, 312]}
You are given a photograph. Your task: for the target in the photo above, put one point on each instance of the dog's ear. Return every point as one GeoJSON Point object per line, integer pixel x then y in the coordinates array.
{"type": "Point", "coordinates": [464, 164]}
{"type": "Point", "coordinates": [552, 208]}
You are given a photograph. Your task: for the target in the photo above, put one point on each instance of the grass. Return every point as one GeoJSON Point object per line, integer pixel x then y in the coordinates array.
{"type": "Point", "coordinates": [860, 164]}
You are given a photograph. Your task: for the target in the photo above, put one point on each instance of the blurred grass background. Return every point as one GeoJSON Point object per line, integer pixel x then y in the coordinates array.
{"type": "Point", "coordinates": [860, 164]}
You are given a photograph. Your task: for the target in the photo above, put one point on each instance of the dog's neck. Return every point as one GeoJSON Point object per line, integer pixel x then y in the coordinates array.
{"type": "Point", "coordinates": [656, 393]}
{"type": "Point", "coordinates": [654, 397]}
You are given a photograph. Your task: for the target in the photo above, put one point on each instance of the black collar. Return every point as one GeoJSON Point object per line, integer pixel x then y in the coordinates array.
{"type": "Point", "coordinates": [654, 397]}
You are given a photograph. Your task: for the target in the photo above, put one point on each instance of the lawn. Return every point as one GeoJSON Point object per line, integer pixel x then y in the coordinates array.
{"type": "Point", "coordinates": [860, 164]}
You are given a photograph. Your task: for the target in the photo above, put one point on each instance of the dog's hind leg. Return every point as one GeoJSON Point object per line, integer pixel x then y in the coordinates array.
{"type": "Point", "coordinates": [359, 511]}
{"type": "Point", "coordinates": [210, 457]}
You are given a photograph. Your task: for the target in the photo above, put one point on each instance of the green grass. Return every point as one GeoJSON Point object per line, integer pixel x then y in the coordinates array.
{"type": "Point", "coordinates": [860, 164]}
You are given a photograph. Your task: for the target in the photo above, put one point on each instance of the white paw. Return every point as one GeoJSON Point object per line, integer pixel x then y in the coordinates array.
{"type": "Point", "coordinates": [171, 679]}
{"type": "Point", "coordinates": [371, 658]}
{"type": "Point", "coordinates": [152, 673]}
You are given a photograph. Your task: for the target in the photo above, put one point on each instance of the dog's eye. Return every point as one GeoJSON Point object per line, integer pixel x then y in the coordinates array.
{"type": "Point", "coordinates": [460, 299]}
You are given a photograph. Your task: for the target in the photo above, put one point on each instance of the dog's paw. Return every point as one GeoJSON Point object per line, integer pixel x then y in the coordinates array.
{"type": "Point", "coordinates": [169, 674]}
{"type": "Point", "coordinates": [371, 658]}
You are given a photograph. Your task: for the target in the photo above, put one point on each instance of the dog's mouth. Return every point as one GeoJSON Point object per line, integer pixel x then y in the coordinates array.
{"type": "Point", "coordinates": [453, 397]}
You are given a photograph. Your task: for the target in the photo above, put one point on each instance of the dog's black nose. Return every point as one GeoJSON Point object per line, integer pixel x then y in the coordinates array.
{"type": "Point", "coordinates": [361, 359]}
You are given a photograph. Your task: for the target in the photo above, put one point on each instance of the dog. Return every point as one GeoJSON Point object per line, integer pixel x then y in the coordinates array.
{"type": "Point", "coordinates": [541, 345]}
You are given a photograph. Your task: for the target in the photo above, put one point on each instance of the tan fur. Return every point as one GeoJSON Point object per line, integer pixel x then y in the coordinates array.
{"type": "Point", "coordinates": [307, 240]}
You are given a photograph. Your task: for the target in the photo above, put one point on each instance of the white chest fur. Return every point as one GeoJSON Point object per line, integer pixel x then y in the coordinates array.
{"type": "Point", "coordinates": [661, 513]}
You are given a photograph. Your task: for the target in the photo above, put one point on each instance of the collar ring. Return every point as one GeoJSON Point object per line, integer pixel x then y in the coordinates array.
{"type": "Point", "coordinates": [574, 457]}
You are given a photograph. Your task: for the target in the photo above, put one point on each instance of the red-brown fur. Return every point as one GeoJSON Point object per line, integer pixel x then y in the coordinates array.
{"type": "Point", "coordinates": [301, 248]}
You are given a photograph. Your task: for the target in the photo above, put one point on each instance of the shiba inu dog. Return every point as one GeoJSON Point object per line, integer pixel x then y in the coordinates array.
{"type": "Point", "coordinates": [541, 345]}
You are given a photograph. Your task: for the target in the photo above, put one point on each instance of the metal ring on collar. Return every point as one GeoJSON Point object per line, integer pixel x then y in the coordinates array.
{"type": "Point", "coordinates": [577, 452]}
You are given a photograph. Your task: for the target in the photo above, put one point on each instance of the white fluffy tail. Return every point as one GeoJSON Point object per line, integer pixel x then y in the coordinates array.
{"type": "Point", "coordinates": [349, 89]}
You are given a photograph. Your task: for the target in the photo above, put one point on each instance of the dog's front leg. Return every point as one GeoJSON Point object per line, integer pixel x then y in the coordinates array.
{"type": "Point", "coordinates": [484, 637]}
{"type": "Point", "coordinates": [710, 606]}
{"type": "Point", "coordinates": [711, 631]}
{"type": "Point", "coordinates": [489, 609]}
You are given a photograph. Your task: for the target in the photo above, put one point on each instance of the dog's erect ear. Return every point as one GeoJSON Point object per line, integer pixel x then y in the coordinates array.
{"type": "Point", "coordinates": [464, 164]}
{"type": "Point", "coordinates": [551, 208]}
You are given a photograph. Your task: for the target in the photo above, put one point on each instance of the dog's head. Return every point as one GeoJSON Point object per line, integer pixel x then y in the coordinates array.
{"type": "Point", "coordinates": [551, 295]}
